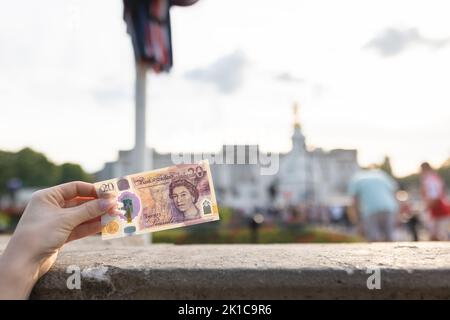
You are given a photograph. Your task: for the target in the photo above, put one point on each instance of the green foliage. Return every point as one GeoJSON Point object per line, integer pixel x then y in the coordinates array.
{"type": "Point", "coordinates": [444, 172]}
{"type": "Point", "coordinates": [408, 182]}
{"type": "Point", "coordinates": [192, 235]}
{"type": "Point", "coordinates": [386, 166]}
{"type": "Point", "coordinates": [225, 214]}
{"type": "Point", "coordinates": [7, 168]}
{"type": "Point", "coordinates": [5, 221]}
{"type": "Point", "coordinates": [413, 180]}
{"type": "Point", "coordinates": [35, 170]}
{"type": "Point", "coordinates": [73, 172]}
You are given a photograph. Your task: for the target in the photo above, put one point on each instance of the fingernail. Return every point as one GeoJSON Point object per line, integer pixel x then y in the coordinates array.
{"type": "Point", "coordinates": [115, 212]}
{"type": "Point", "coordinates": [105, 204]}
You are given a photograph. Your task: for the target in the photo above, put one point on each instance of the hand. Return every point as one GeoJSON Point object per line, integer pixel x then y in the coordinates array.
{"type": "Point", "coordinates": [53, 217]}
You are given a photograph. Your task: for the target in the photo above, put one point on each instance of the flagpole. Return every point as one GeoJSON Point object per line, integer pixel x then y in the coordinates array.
{"type": "Point", "coordinates": [142, 156]}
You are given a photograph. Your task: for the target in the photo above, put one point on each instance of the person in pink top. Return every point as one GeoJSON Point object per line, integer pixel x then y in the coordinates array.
{"type": "Point", "coordinates": [433, 193]}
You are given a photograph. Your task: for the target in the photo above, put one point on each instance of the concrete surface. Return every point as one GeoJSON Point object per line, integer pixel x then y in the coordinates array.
{"type": "Point", "coordinates": [128, 270]}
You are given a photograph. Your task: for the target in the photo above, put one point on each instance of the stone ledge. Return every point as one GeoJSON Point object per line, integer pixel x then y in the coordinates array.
{"type": "Point", "coordinates": [278, 271]}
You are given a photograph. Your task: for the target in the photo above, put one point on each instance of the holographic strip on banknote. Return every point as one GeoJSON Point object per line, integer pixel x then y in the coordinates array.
{"type": "Point", "coordinates": [161, 199]}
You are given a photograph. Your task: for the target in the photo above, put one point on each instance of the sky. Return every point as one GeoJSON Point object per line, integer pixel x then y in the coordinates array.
{"type": "Point", "coordinates": [368, 75]}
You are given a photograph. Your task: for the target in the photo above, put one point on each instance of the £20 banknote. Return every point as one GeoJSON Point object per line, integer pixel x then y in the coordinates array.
{"type": "Point", "coordinates": [166, 198]}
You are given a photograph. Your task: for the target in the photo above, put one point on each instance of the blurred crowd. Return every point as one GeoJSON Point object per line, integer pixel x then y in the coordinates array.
{"type": "Point", "coordinates": [380, 206]}
{"type": "Point", "coordinates": [381, 209]}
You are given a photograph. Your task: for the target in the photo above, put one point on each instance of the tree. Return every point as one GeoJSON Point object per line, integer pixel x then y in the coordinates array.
{"type": "Point", "coordinates": [72, 172]}
{"type": "Point", "coordinates": [444, 172]}
{"type": "Point", "coordinates": [386, 166]}
{"type": "Point", "coordinates": [7, 169]}
{"type": "Point", "coordinates": [35, 170]}
{"type": "Point", "coordinates": [414, 179]}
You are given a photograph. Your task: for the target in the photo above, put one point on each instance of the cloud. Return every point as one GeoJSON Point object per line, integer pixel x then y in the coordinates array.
{"type": "Point", "coordinates": [392, 41]}
{"type": "Point", "coordinates": [318, 90]}
{"type": "Point", "coordinates": [227, 73]}
{"type": "Point", "coordinates": [288, 77]}
{"type": "Point", "coordinates": [111, 94]}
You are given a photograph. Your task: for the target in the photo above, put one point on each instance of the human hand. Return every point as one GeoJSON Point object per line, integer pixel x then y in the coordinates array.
{"type": "Point", "coordinates": [53, 217]}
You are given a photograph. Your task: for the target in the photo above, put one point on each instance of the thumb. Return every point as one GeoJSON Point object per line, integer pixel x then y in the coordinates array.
{"type": "Point", "coordinates": [90, 210]}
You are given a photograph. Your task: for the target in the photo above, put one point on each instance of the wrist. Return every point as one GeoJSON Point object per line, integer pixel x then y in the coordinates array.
{"type": "Point", "coordinates": [18, 274]}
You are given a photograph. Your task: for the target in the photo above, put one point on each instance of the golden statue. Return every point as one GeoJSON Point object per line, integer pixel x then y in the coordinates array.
{"type": "Point", "coordinates": [296, 115]}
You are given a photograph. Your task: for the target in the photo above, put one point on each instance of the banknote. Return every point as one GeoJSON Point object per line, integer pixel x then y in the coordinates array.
{"type": "Point", "coordinates": [161, 199]}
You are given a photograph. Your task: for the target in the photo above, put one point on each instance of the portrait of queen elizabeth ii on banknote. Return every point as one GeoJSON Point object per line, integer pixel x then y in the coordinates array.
{"type": "Point", "coordinates": [162, 199]}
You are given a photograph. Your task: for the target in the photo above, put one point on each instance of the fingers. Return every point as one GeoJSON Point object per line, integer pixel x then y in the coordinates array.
{"type": "Point", "coordinates": [74, 189]}
{"type": "Point", "coordinates": [76, 201]}
{"type": "Point", "coordinates": [89, 210]}
{"type": "Point", "coordinates": [93, 220]}
{"type": "Point", "coordinates": [85, 230]}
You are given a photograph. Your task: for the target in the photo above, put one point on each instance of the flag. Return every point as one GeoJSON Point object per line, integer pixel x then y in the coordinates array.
{"type": "Point", "coordinates": [148, 24]}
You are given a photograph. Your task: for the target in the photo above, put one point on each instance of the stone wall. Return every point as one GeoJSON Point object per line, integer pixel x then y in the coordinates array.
{"type": "Point", "coordinates": [128, 270]}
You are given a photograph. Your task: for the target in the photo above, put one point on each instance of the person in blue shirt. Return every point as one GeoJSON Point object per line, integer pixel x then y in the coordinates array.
{"type": "Point", "coordinates": [373, 193]}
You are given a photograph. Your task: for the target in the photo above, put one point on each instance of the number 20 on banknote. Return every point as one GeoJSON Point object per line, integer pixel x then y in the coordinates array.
{"type": "Point", "coordinates": [166, 198]}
